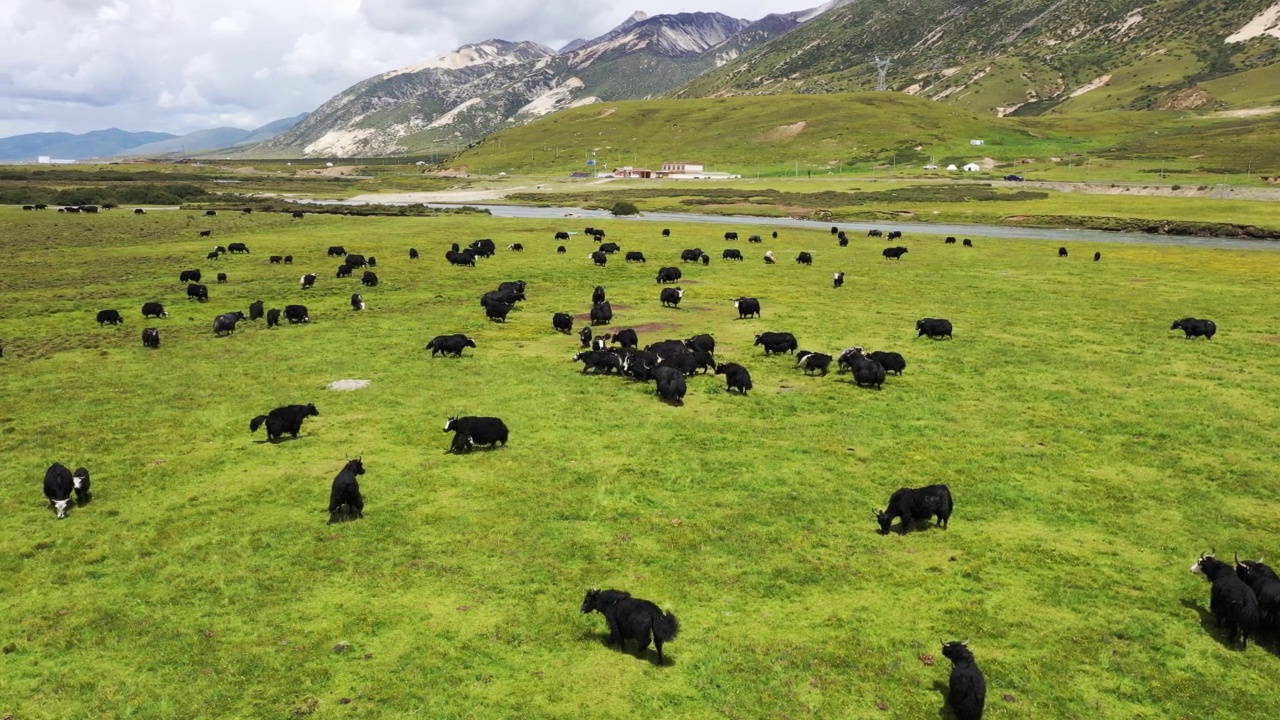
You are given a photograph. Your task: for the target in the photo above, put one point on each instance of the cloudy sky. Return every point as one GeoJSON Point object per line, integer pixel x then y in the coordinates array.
{"type": "Point", "coordinates": [182, 65]}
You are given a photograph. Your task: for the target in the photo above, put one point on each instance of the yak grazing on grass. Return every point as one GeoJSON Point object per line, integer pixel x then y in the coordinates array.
{"type": "Point", "coordinates": [632, 618]}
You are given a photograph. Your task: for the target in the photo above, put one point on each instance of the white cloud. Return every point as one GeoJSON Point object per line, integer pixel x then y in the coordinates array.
{"type": "Point", "coordinates": [183, 65]}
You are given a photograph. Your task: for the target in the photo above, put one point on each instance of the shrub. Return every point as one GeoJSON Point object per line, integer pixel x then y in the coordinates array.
{"type": "Point", "coordinates": [624, 207]}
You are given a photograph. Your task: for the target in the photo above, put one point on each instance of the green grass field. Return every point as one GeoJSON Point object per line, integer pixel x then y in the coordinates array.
{"type": "Point", "coordinates": [1092, 453]}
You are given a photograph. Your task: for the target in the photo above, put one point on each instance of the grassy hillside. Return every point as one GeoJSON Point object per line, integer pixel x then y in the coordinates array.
{"type": "Point", "coordinates": [1000, 56]}
{"type": "Point", "coordinates": [1092, 453]}
{"type": "Point", "coordinates": [816, 134]}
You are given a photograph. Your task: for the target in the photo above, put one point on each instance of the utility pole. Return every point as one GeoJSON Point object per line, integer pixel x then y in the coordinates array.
{"type": "Point", "coordinates": [882, 71]}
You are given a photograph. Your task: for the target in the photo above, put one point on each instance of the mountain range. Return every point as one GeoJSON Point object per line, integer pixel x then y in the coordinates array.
{"type": "Point", "coordinates": [483, 87]}
{"type": "Point", "coordinates": [116, 143]}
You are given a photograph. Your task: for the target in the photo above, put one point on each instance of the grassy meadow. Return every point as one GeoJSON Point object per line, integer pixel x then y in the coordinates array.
{"type": "Point", "coordinates": [1092, 453]}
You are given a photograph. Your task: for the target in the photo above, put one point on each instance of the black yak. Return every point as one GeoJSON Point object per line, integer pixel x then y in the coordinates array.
{"type": "Point", "coordinates": [151, 338]}
{"type": "Point", "coordinates": [57, 488]}
{"type": "Point", "coordinates": [933, 328]}
{"type": "Point", "coordinates": [632, 618]}
{"type": "Point", "coordinates": [747, 307]}
{"type": "Point", "coordinates": [562, 322]}
{"type": "Point", "coordinates": [912, 505]}
{"type": "Point", "coordinates": [345, 501]}
{"type": "Point", "coordinates": [287, 419]}
{"type": "Point", "coordinates": [81, 485]}
{"type": "Point", "coordinates": [1194, 328]}
{"type": "Point", "coordinates": [449, 344]}
{"type": "Point", "coordinates": [967, 689]}
{"type": "Point", "coordinates": [1231, 601]}
{"type": "Point", "coordinates": [109, 317]}
{"type": "Point", "coordinates": [154, 309]}
{"type": "Point", "coordinates": [482, 430]}
{"type": "Point", "coordinates": [736, 377]}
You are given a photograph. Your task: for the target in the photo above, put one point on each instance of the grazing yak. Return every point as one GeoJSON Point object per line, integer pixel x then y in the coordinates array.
{"type": "Point", "coordinates": [671, 384]}
{"type": "Point", "coordinates": [731, 236]}
{"type": "Point", "coordinates": [701, 343]}
{"type": "Point", "coordinates": [757, 238]}
{"type": "Point", "coordinates": [58, 485]}
{"type": "Point", "coordinates": [705, 258]}
{"type": "Point", "coordinates": [666, 232]}
{"type": "Point", "coordinates": [296, 314]}
{"type": "Point", "coordinates": [691, 255]}
{"type": "Point", "coordinates": [109, 317]}
{"type": "Point", "coordinates": [484, 247]}
{"type": "Point", "coordinates": [625, 338]}
{"type": "Point", "coordinates": [1266, 588]}
{"type": "Point", "coordinates": [195, 291]}
{"type": "Point", "coordinates": [736, 377]}
{"type": "Point", "coordinates": [804, 258]}
{"type": "Point", "coordinates": [206, 233]}
{"type": "Point", "coordinates": [226, 323]}
{"type": "Point", "coordinates": [497, 311]}
{"type": "Point", "coordinates": [933, 328]}
{"type": "Point", "coordinates": [355, 260]}
{"type": "Point", "coordinates": [297, 215]}
{"type": "Point", "coordinates": [151, 338]}
{"type": "Point", "coordinates": [275, 259]}
{"type": "Point", "coordinates": [1194, 328]}
{"type": "Point", "coordinates": [599, 258]}
{"type": "Point", "coordinates": [357, 302]}
{"type": "Point", "coordinates": [562, 235]}
{"type": "Point", "coordinates": [669, 275]}
{"type": "Point", "coordinates": [731, 254]}
{"type": "Point", "coordinates": [1096, 256]}
{"type": "Point", "coordinates": [967, 688]}
{"type": "Point", "coordinates": [222, 277]}
{"type": "Point", "coordinates": [255, 310]}
{"type": "Point", "coordinates": [370, 279]}
{"type": "Point", "coordinates": [609, 248]}
{"type": "Point", "coordinates": [598, 295]}
{"type": "Point", "coordinates": [636, 256]}
{"type": "Point", "coordinates": [337, 251]}
{"type": "Point", "coordinates": [1231, 601]}
{"type": "Point", "coordinates": [154, 309]}
{"type": "Point", "coordinates": [413, 253]}
{"type": "Point", "coordinates": [345, 501]}
{"type": "Point", "coordinates": [813, 362]}
{"type": "Point", "coordinates": [894, 253]}
{"type": "Point", "coordinates": [969, 243]}
{"type": "Point", "coordinates": [189, 276]}
{"type": "Point", "coordinates": [631, 618]}
{"type": "Point", "coordinates": [308, 281]}
{"type": "Point", "coordinates": [238, 248]}
{"type": "Point", "coordinates": [287, 419]}
{"type": "Point", "coordinates": [482, 430]}
{"type": "Point", "coordinates": [894, 235]}
{"type": "Point", "coordinates": [273, 317]}
{"type": "Point", "coordinates": [872, 233]}
{"type": "Point", "coordinates": [373, 261]}
{"type": "Point", "coordinates": [866, 372]}
{"type": "Point", "coordinates": [561, 250]}
{"type": "Point", "coordinates": [914, 505]}
{"type": "Point", "coordinates": [671, 297]}
{"type": "Point", "coordinates": [777, 342]}
{"type": "Point", "coordinates": [599, 362]}
{"type": "Point", "coordinates": [837, 280]}
{"type": "Point", "coordinates": [890, 361]}
{"type": "Point", "coordinates": [1062, 252]}
{"type": "Point", "coordinates": [951, 240]}
{"type": "Point", "coordinates": [210, 213]}
{"type": "Point", "coordinates": [562, 322]}
{"type": "Point", "coordinates": [449, 344]}
{"type": "Point", "coordinates": [344, 271]}
{"type": "Point", "coordinates": [747, 307]}
{"type": "Point", "coordinates": [585, 336]}
{"type": "Point", "coordinates": [601, 313]}
{"type": "Point", "coordinates": [844, 241]}
{"type": "Point", "coordinates": [212, 255]}
{"type": "Point", "coordinates": [463, 258]}
{"type": "Point", "coordinates": [516, 247]}
{"type": "Point", "coordinates": [769, 259]}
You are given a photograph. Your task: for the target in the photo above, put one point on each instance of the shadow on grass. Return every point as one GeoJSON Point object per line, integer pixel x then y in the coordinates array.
{"type": "Point", "coordinates": [945, 712]}
{"type": "Point", "coordinates": [648, 654]}
{"type": "Point", "coordinates": [277, 441]}
{"type": "Point", "coordinates": [1209, 623]}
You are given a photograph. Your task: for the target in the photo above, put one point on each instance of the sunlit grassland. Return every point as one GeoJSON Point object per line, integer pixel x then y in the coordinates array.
{"type": "Point", "coordinates": [1092, 453]}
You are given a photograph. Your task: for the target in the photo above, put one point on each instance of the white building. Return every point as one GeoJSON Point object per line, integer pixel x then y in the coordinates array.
{"type": "Point", "coordinates": [682, 168]}
{"type": "Point", "coordinates": [972, 167]}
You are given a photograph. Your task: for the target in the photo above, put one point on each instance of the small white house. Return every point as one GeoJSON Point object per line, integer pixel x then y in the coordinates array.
{"type": "Point", "coordinates": [952, 168]}
{"type": "Point", "coordinates": [972, 167]}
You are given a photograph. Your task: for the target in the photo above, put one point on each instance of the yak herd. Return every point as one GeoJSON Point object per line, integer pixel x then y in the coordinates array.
{"type": "Point", "coordinates": [1245, 599]}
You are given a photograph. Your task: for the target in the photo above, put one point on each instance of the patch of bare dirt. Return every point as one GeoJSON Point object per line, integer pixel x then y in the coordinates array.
{"type": "Point", "coordinates": [1186, 99]}
{"type": "Point", "coordinates": [786, 132]}
{"type": "Point", "coordinates": [335, 171]}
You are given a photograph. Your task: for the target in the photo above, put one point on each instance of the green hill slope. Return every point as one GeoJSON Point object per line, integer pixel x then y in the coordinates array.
{"type": "Point", "coordinates": [835, 133]}
{"type": "Point", "coordinates": [1003, 56]}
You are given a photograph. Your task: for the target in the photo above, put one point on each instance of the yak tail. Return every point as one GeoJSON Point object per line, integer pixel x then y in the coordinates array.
{"type": "Point", "coordinates": [666, 627]}
{"type": "Point", "coordinates": [256, 423]}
